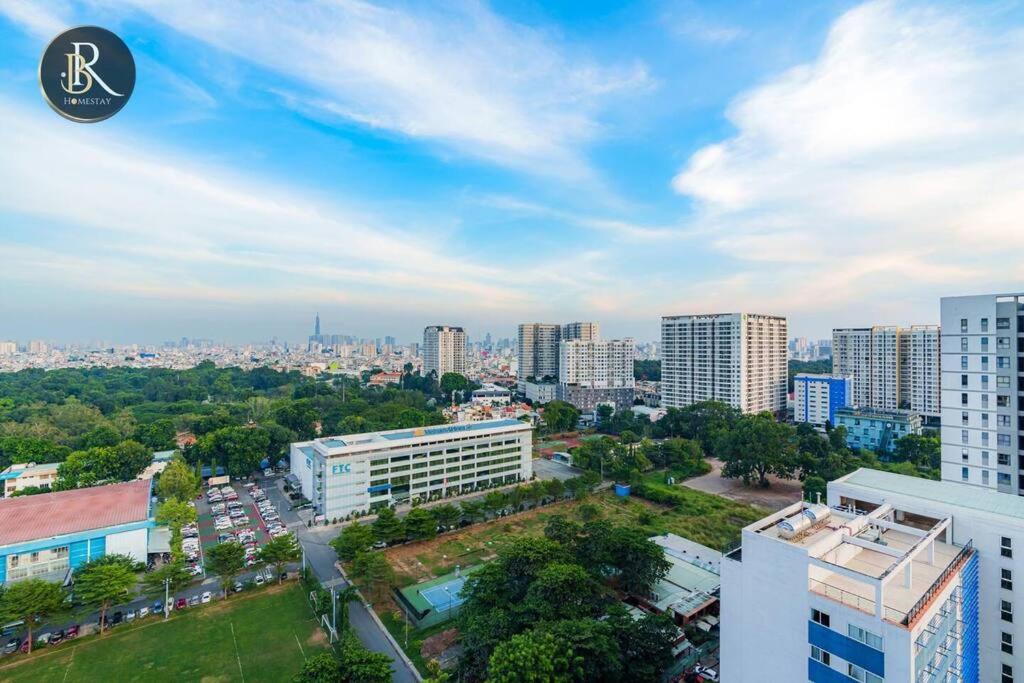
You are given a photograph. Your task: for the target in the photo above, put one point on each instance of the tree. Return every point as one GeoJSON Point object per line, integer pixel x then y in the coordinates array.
{"type": "Point", "coordinates": [279, 551]}
{"type": "Point", "coordinates": [178, 480]}
{"type": "Point", "coordinates": [122, 462]}
{"type": "Point", "coordinates": [237, 449]}
{"type": "Point", "coordinates": [447, 516]}
{"type": "Point", "coordinates": [420, 524]}
{"type": "Point", "coordinates": [534, 657]}
{"type": "Point", "coordinates": [175, 513]}
{"type": "Point", "coordinates": [388, 527]}
{"type": "Point", "coordinates": [102, 584]}
{"type": "Point", "coordinates": [758, 446]}
{"type": "Point", "coordinates": [226, 560]}
{"type": "Point", "coordinates": [594, 643]}
{"type": "Point", "coordinates": [357, 664]}
{"type": "Point", "coordinates": [452, 382]}
{"type": "Point", "coordinates": [641, 563]}
{"type": "Point", "coordinates": [495, 501]}
{"type": "Point", "coordinates": [375, 571]}
{"type": "Point", "coordinates": [319, 668]}
{"type": "Point", "coordinates": [921, 450]}
{"type": "Point", "coordinates": [353, 539]}
{"type": "Point", "coordinates": [560, 416]}
{"type": "Point", "coordinates": [158, 435]}
{"type": "Point", "coordinates": [645, 643]}
{"type": "Point", "coordinates": [473, 511]}
{"type": "Point", "coordinates": [563, 531]}
{"type": "Point", "coordinates": [173, 575]}
{"type": "Point", "coordinates": [31, 601]}
{"type": "Point", "coordinates": [343, 596]}
{"type": "Point", "coordinates": [563, 590]}
{"type": "Point", "coordinates": [605, 413]}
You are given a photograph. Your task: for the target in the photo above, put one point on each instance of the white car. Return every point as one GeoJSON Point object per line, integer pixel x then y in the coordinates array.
{"type": "Point", "coordinates": [207, 596]}
{"type": "Point", "coordinates": [259, 580]}
{"type": "Point", "coordinates": [706, 672]}
{"type": "Point", "coordinates": [143, 612]}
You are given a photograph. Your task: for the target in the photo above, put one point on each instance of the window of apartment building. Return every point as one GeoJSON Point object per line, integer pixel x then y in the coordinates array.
{"type": "Point", "coordinates": [963, 344]}
{"type": "Point", "coordinates": [1003, 479]}
{"type": "Point", "coordinates": [964, 454]}
{"type": "Point", "coordinates": [1006, 610]}
{"type": "Point", "coordinates": [819, 655]}
{"type": "Point", "coordinates": [984, 419]}
{"type": "Point", "coordinates": [1007, 643]}
{"type": "Point", "coordinates": [1002, 323]}
{"type": "Point", "coordinates": [984, 458]}
{"type": "Point", "coordinates": [1004, 459]}
{"type": "Point", "coordinates": [1005, 546]}
{"type": "Point", "coordinates": [1003, 382]}
{"type": "Point", "coordinates": [963, 324]}
{"type": "Point", "coordinates": [965, 474]}
{"type": "Point", "coordinates": [863, 635]}
{"type": "Point", "coordinates": [862, 675]}
{"type": "Point", "coordinates": [964, 435]}
{"type": "Point", "coordinates": [1006, 579]}
{"type": "Point", "coordinates": [984, 438]}
{"type": "Point", "coordinates": [963, 380]}
{"type": "Point", "coordinates": [984, 343]}
{"type": "Point", "coordinates": [1003, 420]}
{"type": "Point", "coordinates": [1003, 439]}
{"type": "Point", "coordinates": [984, 477]}
{"type": "Point", "coordinates": [963, 399]}
{"type": "Point", "coordinates": [1003, 362]}
{"type": "Point", "coordinates": [1007, 673]}
{"type": "Point", "coordinates": [819, 617]}
{"type": "Point", "coordinates": [963, 362]}
{"type": "Point", "coordinates": [1003, 343]}
{"type": "Point", "coordinates": [1003, 401]}
{"type": "Point", "coordinates": [984, 324]}
{"type": "Point", "coordinates": [984, 381]}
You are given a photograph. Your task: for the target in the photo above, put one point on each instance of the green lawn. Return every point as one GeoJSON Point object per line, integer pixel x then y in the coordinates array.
{"type": "Point", "coordinates": [263, 636]}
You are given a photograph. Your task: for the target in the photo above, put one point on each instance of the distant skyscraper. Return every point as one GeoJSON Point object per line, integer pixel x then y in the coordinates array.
{"type": "Point", "coordinates": [444, 350]}
{"type": "Point", "coordinates": [538, 345]}
{"type": "Point", "coordinates": [736, 358]}
{"type": "Point", "coordinates": [316, 325]}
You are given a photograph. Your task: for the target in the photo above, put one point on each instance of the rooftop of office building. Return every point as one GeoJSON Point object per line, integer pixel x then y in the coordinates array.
{"type": "Point", "coordinates": [854, 557]}
{"type": "Point", "coordinates": [334, 444]}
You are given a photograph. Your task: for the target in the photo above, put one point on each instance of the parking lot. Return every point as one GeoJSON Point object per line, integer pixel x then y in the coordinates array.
{"type": "Point", "coordinates": [233, 512]}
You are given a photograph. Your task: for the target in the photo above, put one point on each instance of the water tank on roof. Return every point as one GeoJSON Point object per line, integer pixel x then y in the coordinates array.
{"type": "Point", "coordinates": [791, 526]}
{"type": "Point", "coordinates": [818, 513]}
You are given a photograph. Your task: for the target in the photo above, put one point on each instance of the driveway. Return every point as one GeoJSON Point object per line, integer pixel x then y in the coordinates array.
{"type": "Point", "coordinates": [552, 469]}
{"type": "Point", "coordinates": [781, 493]}
{"type": "Point", "coordinates": [321, 558]}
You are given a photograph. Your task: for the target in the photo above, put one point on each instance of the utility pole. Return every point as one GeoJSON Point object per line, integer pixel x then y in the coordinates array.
{"type": "Point", "coordinates": [167, 597]}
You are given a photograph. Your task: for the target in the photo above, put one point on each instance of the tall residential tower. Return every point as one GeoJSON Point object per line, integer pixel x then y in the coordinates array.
{"type": "Point", "coordinates": [444, 350]}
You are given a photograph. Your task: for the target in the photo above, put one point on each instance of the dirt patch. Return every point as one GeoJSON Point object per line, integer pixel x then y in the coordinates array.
{"type": "Point", "coordinates": [434, 646]}
{"type": "Point", "coordinates": [317, 639]}
{"type": "Point", "coordinates": [781, 493]}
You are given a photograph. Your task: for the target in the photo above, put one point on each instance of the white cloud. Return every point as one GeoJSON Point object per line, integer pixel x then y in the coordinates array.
{"type": "Point", "coordinates": [889, 166]}
{"type": "Point", "coordinates": [464, 78]}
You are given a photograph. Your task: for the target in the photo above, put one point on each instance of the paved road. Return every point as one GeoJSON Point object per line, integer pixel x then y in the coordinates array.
{"type": "Point", "coordinates": [321, 558]}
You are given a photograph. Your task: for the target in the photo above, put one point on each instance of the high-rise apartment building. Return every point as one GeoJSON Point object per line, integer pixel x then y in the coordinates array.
{"type": "Point", "coordinates": [737, 358]}
{"type": "Point", "coordinates": [8, 348]}
{"type": "Point", "coordinates": [892, 367]}
{"type": "Point", "coordinates": [898, 579]}
{"type": "Point", "coordinates": [982, 375]}
{"type": "Point", "coordinates": [538, 346]}
{"type": "Point", "coordinates": [594, 372]}
{"type": "Point", "coordinates": [818, 397]}
{"type": "Point", "coordinates": [444, 350]}
{"type": "Point", "coordinates": [538, 350]}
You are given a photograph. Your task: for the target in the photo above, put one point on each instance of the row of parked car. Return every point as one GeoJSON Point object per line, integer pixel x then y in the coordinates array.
{"type": "Point", "coordinates": [190, 547]}
{"type": "Point", "coordinates": [268, 513]}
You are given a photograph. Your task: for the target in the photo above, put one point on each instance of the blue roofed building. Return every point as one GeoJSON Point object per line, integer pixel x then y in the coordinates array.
{"type": "Point", "coordinates": [818, 397]}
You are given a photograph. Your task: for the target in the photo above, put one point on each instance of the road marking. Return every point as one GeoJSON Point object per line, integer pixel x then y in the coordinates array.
{"type": "Point", "coordinates": [299, 644]}
{"type": "Point", "coordinates": [237, 657]}
{"type": "Point", "coordinates": [70, 662]}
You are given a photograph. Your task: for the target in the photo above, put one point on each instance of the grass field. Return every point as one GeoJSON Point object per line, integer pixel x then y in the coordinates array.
{"type": "Point", "coordinates": [264, 636]}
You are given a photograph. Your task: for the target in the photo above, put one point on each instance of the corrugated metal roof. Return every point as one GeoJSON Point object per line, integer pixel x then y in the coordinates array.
{"type": "Point", "coordinates": [29, 518]}
{"type": "Point", "coordinates": [949, 492]}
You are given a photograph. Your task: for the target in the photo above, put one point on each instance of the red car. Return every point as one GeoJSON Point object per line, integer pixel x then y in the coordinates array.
{"type": "Point", "coordinates": [181, 603]}
{"type": "Point", "coordinates": [71, 632]}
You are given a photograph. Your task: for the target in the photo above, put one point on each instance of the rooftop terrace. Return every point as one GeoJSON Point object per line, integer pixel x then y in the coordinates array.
{"type": "Point", "coordinates": [352, 440]}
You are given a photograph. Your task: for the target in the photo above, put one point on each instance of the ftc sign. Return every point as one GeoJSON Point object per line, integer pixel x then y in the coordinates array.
{"type": "Point", "coordinates": [341, 469]}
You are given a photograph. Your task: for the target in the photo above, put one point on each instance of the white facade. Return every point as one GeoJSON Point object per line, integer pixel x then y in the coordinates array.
{"type": "Point", "coordinates": [444, 350]}
{"type": "Point", "coordinates": [892, 367]}
{"type": "Point", "coordinates": [737, 358]}
{"type": "Point", "coordinates": [25, 475]}
{"type": "Point", "coordinates": [817, 397]}
{"type": "Point", "coordinates": [358, 472]}
{"type": "Point", "coordinates": [597, 364]}
{"type": "Point", "coordinates": [897, 579]}
{"type": "Point", "coordinates": [538, 350]}
{"type": "Point", "coordinates": [981, 378]}
{"type": "Point", "coordinates": [538, 392]}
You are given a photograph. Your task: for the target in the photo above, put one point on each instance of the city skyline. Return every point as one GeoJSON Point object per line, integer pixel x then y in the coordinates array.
{"type": "Point", "coordinates": [487, 165]}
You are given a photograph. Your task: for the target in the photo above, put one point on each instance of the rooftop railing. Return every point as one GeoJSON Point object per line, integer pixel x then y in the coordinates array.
{"type": "Point", "coordinates": [939, 583]}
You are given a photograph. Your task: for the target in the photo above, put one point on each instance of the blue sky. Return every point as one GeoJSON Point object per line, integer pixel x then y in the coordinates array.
{"type": "Point", "coordinates": [398, 165]}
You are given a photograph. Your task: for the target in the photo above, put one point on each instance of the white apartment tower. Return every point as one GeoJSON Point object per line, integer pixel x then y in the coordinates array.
{"type": "Point", "coordinates": [892, 367]}
{"type": "Point", "coordinates": [538, 345]}
{"type": "Point", "coordinates": [593, 372]}
{"type": "Point", "coordinates": [736, 358]}
{"type": "Point", "coordinates": [444, 350]}
{"type": "Point", "coordinates": [982, 375]}
{"type": "Point", "coordinates": [897, 579]}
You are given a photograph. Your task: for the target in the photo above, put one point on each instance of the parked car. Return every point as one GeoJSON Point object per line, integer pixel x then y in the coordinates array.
{"type": "Point", "coordinates": [117, 618]}
{"type": "Point", "coordinates": [259, 580]}
{"type": "Point", "coordinates": [158, 606]}
{"type": "Point", "coordinates": [238, 586]}
{"type": "Point", "coordinates": [71, 632]}
{"type": "Point", "coordinates": [181, 603]}
{"type": "Point", "coordinates": [43, 638]}
{"type": "Point", "coordinates": [56, 637]}
{"type": "Point", "coordinates": [130, 616]}
{"type": "Point", "coordinates": [143, 612]}
{"type": "Point", "coordinates": [206, 597]}
{"type": "Point", "coordinates": [193, 601]}
{"type": "Point", "coordinates": [11, 645]}
{"type": "Point", "coordinates": [706, 673]}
